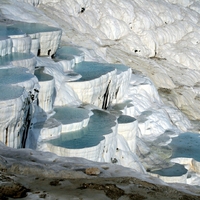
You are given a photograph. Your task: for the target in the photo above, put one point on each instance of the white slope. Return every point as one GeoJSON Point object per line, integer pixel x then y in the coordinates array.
{"type": "Point", "coordinates": [159, 39]}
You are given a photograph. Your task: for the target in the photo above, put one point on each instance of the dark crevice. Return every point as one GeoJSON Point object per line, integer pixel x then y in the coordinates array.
{"type": "Point", "coordinates": [116, 92]}
{"type": "Point", "coordinates": [49, 52]}
{"type": "Point", "coordinates": [105, 98]}
{"type": "Point", "coordinates": [37, 102]}
{"type": "Point", "coordinates": [6, 142]}
{"type": "Point", "coordinates": [26, 126]}
{"type": "Point", "coordinates": [38, 53]}
{"type": "Point", "coordinates": [53, 56]}
{"type": "Point", "coordinates": [82, 9]}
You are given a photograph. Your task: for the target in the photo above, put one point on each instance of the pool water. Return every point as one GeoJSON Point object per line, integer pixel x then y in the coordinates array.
{"type": "Point", "coordinates": [100, 124]}
{"type": "Point", "coordinates": [186, 145]}
{"type": "Point", "coordinates": [175, 170]}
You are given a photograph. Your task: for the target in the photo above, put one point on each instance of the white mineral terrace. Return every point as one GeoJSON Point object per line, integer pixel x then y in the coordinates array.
{"type": "Point", "coordinates": [5, 45]}
{"type": "Point", "coordinates": [48, 37]}
{"type": "Point", "coordinates": [19, 60]}
{"type": "Point", "coordinates": [128, 128]}
{"type": "Point", "coordinates": [57, 96]}
{"type": "Point", "coordinates": [47, 86]}
{"type": "Point", "coordinates": [95, 142]}
{"type": "Point", "coordinates": [21, 86]}
{"type": "Point", "coordinates": [65, 51]}
{"type": "Point", "coordinates": [12, 105]}
{"type": "Point", "coordinates": [72, 119]}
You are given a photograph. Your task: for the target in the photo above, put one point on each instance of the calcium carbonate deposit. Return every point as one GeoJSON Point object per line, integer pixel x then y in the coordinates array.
{"type": "Point", "coordinates": [110, 81]}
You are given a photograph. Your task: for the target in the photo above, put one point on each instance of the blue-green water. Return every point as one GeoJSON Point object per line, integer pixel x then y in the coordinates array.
{"type": "Point", "coordinates": [123, 119]}
{"type": "Point", "coordinates": [69, 115]}
{"type": "Point", "coordinates": [14, 75]}
{"type": "Point", "coordinates": [63, 57]}
{"type": "Point", "coordinates": [10, 92]}
{"type": "Point", "coordinates": [41, 75]}
{"type": "Point", "coordinates": [120, 67]}
{"type": "Point", "coordinates": [175, 170]}
{"type": "Point", "coordinates": [68, 50]}
{"type": "Point", "coordinates": [31, 28]}
{"type": "Point", "coordinates": [186, 145]}
{"type": "Point", "coordinates": [10, 30]}
{"type": "Point", "coordinates": [91, 70]}
{"type": "Point", "coordinates": [99, 125]}
{"type": "Point", "coordinates": [5, 60]}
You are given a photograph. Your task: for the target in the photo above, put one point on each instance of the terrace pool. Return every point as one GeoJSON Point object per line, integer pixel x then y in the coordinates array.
{"type": "Point", "coordinates": [100, 124]}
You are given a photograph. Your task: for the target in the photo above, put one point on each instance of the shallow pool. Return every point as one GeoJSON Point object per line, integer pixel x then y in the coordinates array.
{"type": "Point", "coordinates": [186, 145]}
{"type": "Point", "coordinates": [100, 124]}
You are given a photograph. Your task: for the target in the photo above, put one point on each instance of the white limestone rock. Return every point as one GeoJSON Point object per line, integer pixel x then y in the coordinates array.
{"type": "Point", "coordinates": [160, 30]}
{"type": "Point", "coordinates": [46, 38]}
{"type": "Point", "coordinates": [43, 130]}
{"type": "Point", "coordinates": [64, 93]}
{"type": "Point", "coordinates": [18, 114]}
{"type": "Point", "coordinates": [168, 30]}
{"type": "Point", "coordinates": [67, 63]}
{"type": "Point", "coordinates": [20, 41]}
{"type": "Point", "coordinates": [105, 83]}
{"type": "Point", "coordinates": [128, 128]}
{"type": "Point", "coordinates": [125, 157]}
{"type": "Point", "coordinates": [19, 60]}
{"type": "Point", "coordinates": [22, 44]}
{"type": "Point", "coordinates": [5, 46]}
{"type": "Point", "coordinates": [46, 93]}
{"type": "Point", "coordinates": [14, 106]}
{"type": "Point", "coordinates": [72, 119]}
{"type": "Point", "coordinates": [95, 142]}
{"type": "Point", "coordinates": [121, 84]}
{"type": "Point", "coordinates": [66, 51]}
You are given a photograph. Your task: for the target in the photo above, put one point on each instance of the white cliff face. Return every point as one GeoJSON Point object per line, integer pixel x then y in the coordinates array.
{"type": "Point", "coordinates": [5, 45]}
{"type": "Point", "coordinates": [106, 83]}
{"type": "Point", "coordinates": [128, 128]}
{"type": "Point", "coordinates": [13, 108]}
{"type": "Point", "coordinates": [18, 93]}
{"type": "Point", "coordinates": [98, 83]}
{"type": "Point", "coordinates": [46, 93]}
